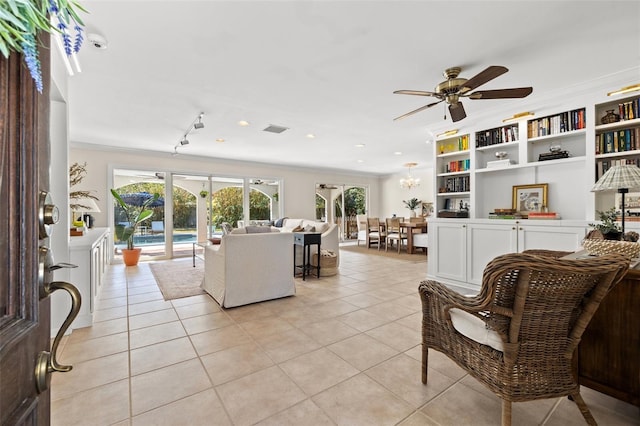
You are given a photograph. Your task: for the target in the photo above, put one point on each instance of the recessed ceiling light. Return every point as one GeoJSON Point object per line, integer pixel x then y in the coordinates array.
{"type": "Point", "coordinates": [360, 161]}
{"type": "Point", "coordinates": [359, 145]}
{"type": "Point", "coordinates": [311, 135]}
{"type": "Point", "coordinates": [243, 123]}
{"type": "Point", "coordinates": [397, 153]}
{"type": "Point", "coordinates": [220, 140]}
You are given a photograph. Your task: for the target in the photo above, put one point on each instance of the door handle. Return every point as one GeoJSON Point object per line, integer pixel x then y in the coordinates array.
{"type": "Point", "coordinates": [47, 362]}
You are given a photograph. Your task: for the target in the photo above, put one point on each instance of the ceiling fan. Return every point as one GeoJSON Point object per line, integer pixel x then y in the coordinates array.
{"type": "Point", "coordinates": [454, 88]}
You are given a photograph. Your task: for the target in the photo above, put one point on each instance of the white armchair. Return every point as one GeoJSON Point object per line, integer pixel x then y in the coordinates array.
{"type": "Point", "coordinates": [249, 268]}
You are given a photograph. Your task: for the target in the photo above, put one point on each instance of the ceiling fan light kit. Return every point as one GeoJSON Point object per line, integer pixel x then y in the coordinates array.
{"type": "Point", "coordinates": [455, 87]}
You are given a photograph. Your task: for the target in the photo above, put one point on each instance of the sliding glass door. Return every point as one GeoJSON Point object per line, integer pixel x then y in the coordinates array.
{"type": "Point", "coordinates": [192, 208]}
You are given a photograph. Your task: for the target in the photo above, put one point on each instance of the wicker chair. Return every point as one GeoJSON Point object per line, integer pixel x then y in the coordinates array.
{"type": "Point", "coordinates": [533, 309]}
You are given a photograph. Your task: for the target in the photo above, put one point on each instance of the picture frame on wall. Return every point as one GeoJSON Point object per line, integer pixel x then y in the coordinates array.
{"type": "Point", "coordinates": [529, 198]}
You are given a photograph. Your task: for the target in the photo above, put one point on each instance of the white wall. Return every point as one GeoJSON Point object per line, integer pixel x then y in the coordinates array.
{"type": "Point", "coordinates": [298, 184]}
{"type": "Point", "coordinates": [391, 202]}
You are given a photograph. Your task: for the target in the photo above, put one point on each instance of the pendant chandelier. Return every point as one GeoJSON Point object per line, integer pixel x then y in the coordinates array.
{"type": "Point", "coordinates": [409, 182]}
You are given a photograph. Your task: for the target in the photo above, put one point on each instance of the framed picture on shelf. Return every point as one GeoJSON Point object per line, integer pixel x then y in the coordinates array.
{"type": "Point", "coordinates": [529, 198]}
{"type": "Point", "coordinates": [427, 209]}
{"type": "Point", "coordinates": [631, 203]}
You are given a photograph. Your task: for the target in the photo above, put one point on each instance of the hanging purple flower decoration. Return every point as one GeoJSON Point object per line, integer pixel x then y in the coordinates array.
{"type": "Point", "coordinates": [31, 58]}
{"type": "Point", "coordinates": [79, 38]}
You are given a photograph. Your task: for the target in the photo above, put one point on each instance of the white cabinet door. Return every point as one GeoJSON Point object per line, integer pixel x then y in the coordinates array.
{"type": "Point", "coordinates": [549, 237]}
{"type": "Point", "coordinates": [485, 242]}
{"type": "Point", "coordinates": [449, 260]}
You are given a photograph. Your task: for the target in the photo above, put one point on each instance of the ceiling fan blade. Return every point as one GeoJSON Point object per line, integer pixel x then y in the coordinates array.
{"type": "Point", "coordinates": [416, 110]}
{"type": "Point", "coordinates": [518, 92]}
{"type": "Point", "coordinates": [457, 112]}
{"type": "Point", "coordinates": [484, 76]}
{"type": "Point", "coordinates": [416, 92]}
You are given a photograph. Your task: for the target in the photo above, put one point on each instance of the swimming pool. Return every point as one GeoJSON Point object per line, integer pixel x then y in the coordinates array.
{"type": "Point", "coordinates": [146, 240]}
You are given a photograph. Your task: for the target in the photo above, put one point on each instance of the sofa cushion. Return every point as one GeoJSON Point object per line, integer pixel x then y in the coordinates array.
{"type": "Point", "coordinates": [257, 229]}
{"type": "Point", "coordinates": [291, 223]}
{"type": "Point", "coordinates": [226, 228]}
{"type": "Point", "coordinates": [238, 231]}
{"type": "Point", "coordinates": [309, 228]}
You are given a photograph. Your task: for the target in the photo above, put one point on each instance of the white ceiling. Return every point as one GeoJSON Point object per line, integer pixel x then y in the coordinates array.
{"type": "Point", "coordinates": [327, 68]}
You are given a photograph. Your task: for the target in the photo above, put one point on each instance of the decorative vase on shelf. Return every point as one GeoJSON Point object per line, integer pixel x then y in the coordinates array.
{"type": "Point", "coordinates": [412, 213]}
{"type": "Point", "coordinates": [610, 117]}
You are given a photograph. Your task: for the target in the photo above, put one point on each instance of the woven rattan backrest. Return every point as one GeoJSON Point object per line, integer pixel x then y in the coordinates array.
{"type": "Point", "coordinates": [373, 223]}
{"type": "Point", "coordinates": [544, 304]}
{"type": "Point", "coordinates": [393, 224]}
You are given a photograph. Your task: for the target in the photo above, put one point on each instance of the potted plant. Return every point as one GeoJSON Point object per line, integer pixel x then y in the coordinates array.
{"type": "Point", "coordinates": [412, 205]}
{"type": "Point", "coordinates": [134, 215]}
{"type": "Point", "coordinates": [608, 225]}
{"type": "Point", "coordinates": [204, 193]}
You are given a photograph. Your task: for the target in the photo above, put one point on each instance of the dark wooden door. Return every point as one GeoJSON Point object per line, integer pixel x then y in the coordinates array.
{"type": "Point", "coordinates": [24, 171]}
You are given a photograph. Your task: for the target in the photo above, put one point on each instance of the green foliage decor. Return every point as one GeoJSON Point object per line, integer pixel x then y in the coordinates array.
{"type": "Point", "coordinates": [607, 223]}
{"type": "Point", "coordinates": [22, 20]}
{"type": "Point", "coordinates": [134, 215]}
{"type": "Point", "coordinates": [412, 204]}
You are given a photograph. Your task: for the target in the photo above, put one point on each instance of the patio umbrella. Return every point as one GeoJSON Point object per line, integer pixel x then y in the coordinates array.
{"type": "Point", "coordinates": [139, 198]}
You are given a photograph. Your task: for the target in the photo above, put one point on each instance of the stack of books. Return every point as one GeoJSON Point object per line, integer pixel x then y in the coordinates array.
{"type": "Point", "coordinates": [543, 215]}
{"type": "Point", "coordinates": [553, 155]}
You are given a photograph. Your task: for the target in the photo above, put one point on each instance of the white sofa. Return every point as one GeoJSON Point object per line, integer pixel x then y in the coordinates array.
{"type": "Point", "coordinates": [329, 239]}
{"type": "Point", "coordinates": [248, 268]}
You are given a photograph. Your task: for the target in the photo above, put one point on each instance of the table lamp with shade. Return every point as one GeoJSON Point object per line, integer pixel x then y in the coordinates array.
{"type": "Point", "coordinates": [85, 205]}
{"type": "Point", "coordinates": [620, 178]}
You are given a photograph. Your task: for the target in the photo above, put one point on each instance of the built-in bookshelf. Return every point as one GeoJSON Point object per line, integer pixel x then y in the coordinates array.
{"type": "Point", "coordinates": [617, 140]}
{"type": "Point", "coordinates": [556, 124]}
{"type": "Point", "coordinates": [453, 165]}
{"type": "Point", "coordinates": [497, 136]}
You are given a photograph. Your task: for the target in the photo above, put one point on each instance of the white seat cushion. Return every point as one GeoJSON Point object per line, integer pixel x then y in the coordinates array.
{"type": "Point", "coordinates": [421, 240]}
{"type": "Point", "coordinates": [475, 329]}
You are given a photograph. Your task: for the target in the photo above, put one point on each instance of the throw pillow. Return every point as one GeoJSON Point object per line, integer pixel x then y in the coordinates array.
{"type": "Point", "coordinates": [257, 229]}
{"type": "Point", "coordinates": [279, 222]}
{"type": "Point", "coordinates": [226, 228]}
{"type": "Point", "coordinates": [297, 229]}
{"type": "Point", "coordinates": [309, 228]}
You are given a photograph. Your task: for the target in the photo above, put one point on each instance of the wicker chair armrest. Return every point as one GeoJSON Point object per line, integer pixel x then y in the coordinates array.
{"type": "Point", "coordinates": [452, 299]}
{"type": "Point", "coordinates": [556, 254]}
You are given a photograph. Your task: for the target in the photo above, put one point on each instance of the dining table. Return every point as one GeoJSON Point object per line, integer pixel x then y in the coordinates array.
{"type": "Point", "coordinates": [409, 227]}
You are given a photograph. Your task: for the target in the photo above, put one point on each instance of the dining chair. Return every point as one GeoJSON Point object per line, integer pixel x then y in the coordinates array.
{"type": "Point", "coordinates": [362, 228]}
{"type": "Point", "coordinates": [519, 334]}
{"type": "Point", "coordinates": [394, 232]}
{"type": "Point", "coordinates": [375, 233]}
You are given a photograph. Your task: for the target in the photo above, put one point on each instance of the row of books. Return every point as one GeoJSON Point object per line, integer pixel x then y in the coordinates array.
{"type": "Point", "coordinates": [527, 215]}
{"type": "Point", "coordinates": [457, 166]}
{"type": "Point", "coordinates": [605, 164]}
{"type": "Point", "coordinates": [456, 184]}
{"type": "Point", "coordinates": [497, 136]}
{"type": "Point", "coordinates": [447, 146]}
{"type": "Point", "coordinates": [618, 141]}
{"type": "Point", "coordinates": [629, 110]}
{"type": "Point", "coordinates": [556, 124]}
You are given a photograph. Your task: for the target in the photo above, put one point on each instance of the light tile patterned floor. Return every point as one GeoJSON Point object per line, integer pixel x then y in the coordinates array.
{"type": "Point", "coordinates": [345, 350]}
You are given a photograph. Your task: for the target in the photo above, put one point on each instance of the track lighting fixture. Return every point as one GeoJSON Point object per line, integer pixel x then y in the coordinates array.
{"type": "Point", "coordinates": [196, 124]}
{"type": "Point", "coordinates": [199, 124]}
